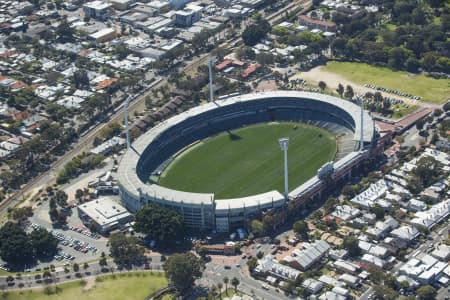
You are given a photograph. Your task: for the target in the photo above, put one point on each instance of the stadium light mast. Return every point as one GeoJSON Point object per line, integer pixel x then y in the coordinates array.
{"type": "Point", "coordinates": [211, 88]}
{"type": "Point", "coordinates": [284, 142]}
{"type": "Point", "coordinates": [361, 141]}
{"type": "Point", "coordinates": [127, 128]}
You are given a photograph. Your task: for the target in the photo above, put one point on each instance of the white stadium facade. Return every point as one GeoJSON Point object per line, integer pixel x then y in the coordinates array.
{"type": "Point", "coordinates": [201, 211]}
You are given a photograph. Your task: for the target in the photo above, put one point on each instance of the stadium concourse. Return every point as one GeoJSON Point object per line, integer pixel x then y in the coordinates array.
{"type": "Point", "coordinates": [201, 211]}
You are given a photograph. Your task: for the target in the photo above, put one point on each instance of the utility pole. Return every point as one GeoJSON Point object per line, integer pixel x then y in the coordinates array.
{"type": "Point", "coordinates": [284, 142]}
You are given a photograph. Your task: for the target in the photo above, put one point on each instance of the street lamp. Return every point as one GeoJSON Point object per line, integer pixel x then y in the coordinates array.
{"type": "Point", "coordinates": [284, 142]}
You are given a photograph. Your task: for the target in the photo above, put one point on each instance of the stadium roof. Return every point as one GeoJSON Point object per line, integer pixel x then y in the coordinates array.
{"type": "Point", "coordinates": [250, 201]}
{"type": "Point", "coordinates": [129, 179]}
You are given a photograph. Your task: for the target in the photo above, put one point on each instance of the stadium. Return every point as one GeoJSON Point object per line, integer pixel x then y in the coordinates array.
{"type": "Point", "coordinates": [204, 212]}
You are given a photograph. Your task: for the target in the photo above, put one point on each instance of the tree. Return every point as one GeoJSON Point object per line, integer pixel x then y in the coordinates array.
{"type": "Point", "coordinates": [426, 292]}
{"type": "Point", "coordinates": [252, 263]}
{"type": "Point", "coordinates": [438, 112]}
{"type": "Point", "coordinates": [268, 224]}
{"type": "Point", "coordinates": [329, 204]}
{"type": "Point", "coordinates": [80, 78]}
{"type": "Point", "coordinates": [61, 198]}
{"type": "Point", "coordinates": [159, 223]}
{"type": "Point", "coordinates": [378, 211]}
{"type": "Point", "coordinates": [235, 282]}
{"type": "Point", "coordinates": [202, 251]}
{"type": "Point", "coordinates": [64, 30]}
{"type": "Point", "coordinates": [15, 246]}
{"type": "Point", "coordinates": [385, 292]}
{"type": "Point", "coordinates": [322, 85]}
{"type": "Point", "coordinates": [225, 281]}
{"type": "Point", "coordinates": [257, 227]}
{"type": "Point", "coordinates": [340, 90]}
{"type": "Point", "coordinates": [349, 92]}
{"type": "Point", "coordinates": [265, 58]}
{"type": "Point", "coordinates": [259, 255]}
{"type": "Point", "coordinates": [420, 124]}
{"type": "Point", "coordinates": [397, 57]}
{"type": "Point", "coordinates": [182, 269]}
{"type": "Point", "coordinates": [125, 249]}
{"type": "Point", "coordinates": [103, 262]}
{"type": "Point", "coordinates": [254, 33]}
{"type": "Point", "coordinates": [301, 228]}
{"type": "Point", "coordinates": [390, 281]}
{"type": "Point", "coordinates": [352, 246]}
{"type": "Point", "coordinates": [43, 242]}
{"type": "Point", "coordinates": [219, 287]}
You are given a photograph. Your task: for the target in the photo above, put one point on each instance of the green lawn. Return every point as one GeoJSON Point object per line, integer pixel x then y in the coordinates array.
{"type": "Point", "coordinates": [131, 286]}
{"type": "Point", "coordinates": [400, 111]}
{"type": "Point", "coordinates": [250, 160]}
{"type": "Point", "coordinates": [431, 90]}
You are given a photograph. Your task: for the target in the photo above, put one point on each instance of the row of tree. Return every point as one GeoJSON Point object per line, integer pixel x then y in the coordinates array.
{"type": "Point", "coordinates": [17, 247]}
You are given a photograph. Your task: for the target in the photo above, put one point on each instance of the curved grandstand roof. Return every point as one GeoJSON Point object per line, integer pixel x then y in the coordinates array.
{"type": "Point", "coordinates": [129, 179]}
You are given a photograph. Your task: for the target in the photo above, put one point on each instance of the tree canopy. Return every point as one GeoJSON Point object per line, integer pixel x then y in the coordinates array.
{"type": "Point", "coordinates": [426, 292]}
{"type": "Point", "coordinates": [182, 269]}
{"type": "Point", "coordinates": [15, 246]}
{"type": "Point", "coordinates": [159, 223]}
{"type": "Point", "coordinates": [255, 32]}
{"type": "Point", "coordinates": [301, 228]}
{"type": "Point", "coordinates": [44, 243]}
{"type": "Point", "coordinates": [125, 249]}
{"type": "Point", "coordinates": [352, 246]}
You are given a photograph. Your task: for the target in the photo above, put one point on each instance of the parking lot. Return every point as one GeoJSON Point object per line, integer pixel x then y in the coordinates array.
{"type": "Point", "coordinates": [77, 244]}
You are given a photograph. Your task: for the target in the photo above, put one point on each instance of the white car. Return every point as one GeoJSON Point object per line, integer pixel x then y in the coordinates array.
{"type": "Point", "coordinates": [265, 286]}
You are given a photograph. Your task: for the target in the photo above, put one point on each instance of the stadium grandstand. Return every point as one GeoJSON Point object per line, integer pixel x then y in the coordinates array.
{"type": "Point", "coordinates": [201, 211]}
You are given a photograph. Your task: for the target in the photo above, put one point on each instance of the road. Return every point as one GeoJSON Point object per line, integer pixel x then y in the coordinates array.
{"type": "Point", "coordinates": [61, 276]}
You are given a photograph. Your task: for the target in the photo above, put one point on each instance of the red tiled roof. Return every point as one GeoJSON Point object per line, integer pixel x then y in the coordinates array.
{"type": "Point", "coordinates": [238, 63]}
{"type": "Point", "coordinates": [105, 83]}
{"type": "Point", "coordinates": [317, 22]}
{"type": "Point", "coordinates": [18, 85]}
{"type": "Point", "coordinates": [250, 70]}
{"type": "Point", "coordinates": [223, 64]}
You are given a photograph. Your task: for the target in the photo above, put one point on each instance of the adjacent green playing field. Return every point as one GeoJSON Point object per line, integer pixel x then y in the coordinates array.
{"type": "Point", "coordinates": [131, 286]}
{"type": "Point", "coordinates": [432, 90]}
{"type": "Point", "coordinates": [249, 160]}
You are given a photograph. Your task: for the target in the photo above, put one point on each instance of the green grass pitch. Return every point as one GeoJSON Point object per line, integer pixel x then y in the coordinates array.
{"type": "Point", "coordinates": [250, 161]}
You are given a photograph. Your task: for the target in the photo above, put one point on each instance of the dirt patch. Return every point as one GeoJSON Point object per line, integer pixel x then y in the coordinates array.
{"type": "Point", "coordinates": [90, 283]}
{"type": "Point", "coordinates": [332, 80]}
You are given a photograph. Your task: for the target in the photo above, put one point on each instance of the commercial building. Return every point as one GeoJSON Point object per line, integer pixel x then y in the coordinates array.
{"type": "Point", "coordinates": [269, 266]}
{"type": "Point", "coordinates": [312, 286]}
{"type": "Point", "coordinates": [307, 257]}
{"type": "Point", "coordinates": [103, 35]}
{"type": "Point", "coordinates": [97, 9]}
{"type": "Point", "coordinates": [121, 4]}
{"type": "Point", "coordinates": [188, 16]}
{"type": "Point", "coordinates": [104, 214]}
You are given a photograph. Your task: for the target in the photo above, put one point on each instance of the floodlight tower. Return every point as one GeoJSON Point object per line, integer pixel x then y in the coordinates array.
{"type": "Point", "coordinates": [127, 128]}
{"type": "Point", "coordinates": [361, 140]}
{"type": "Point", "coordinates": [211, 89]}
{"type": "Point", "coordinates": [284, 142]}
